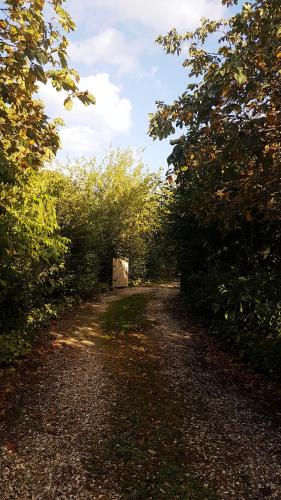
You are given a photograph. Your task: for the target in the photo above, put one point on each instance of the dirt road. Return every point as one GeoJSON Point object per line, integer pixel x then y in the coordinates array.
{"type": "Point", "coordinates": [155, 414]}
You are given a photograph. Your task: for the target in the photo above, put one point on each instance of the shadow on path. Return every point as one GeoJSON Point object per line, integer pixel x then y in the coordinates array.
{"type": "Point", "coordinates": [152, 414]}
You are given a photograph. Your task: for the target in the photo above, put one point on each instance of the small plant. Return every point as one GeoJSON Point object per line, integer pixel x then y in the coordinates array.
{"type": "Point", "coordinates": [127, 315]}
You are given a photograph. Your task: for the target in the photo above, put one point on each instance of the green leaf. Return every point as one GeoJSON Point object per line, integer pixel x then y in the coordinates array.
{"type": "Point", "coordinates": [39, 73]}
{"type": "Point", "coordinates": [86, 98]}
{"type": "Point", "coordinates": [240, 77]}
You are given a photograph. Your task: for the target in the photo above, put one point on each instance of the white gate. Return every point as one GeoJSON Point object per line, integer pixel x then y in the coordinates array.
{"type": "Point", "coordinates": [120, 273]}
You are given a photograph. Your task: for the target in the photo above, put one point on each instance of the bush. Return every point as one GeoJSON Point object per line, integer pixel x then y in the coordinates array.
{"type": "Point", "coordinates": [243, 311]}
{"type": "Point", "coordinates": [32, 251]}
{"type": "Point", "coordinates": [226, 166]}
{"type": "Point", "coordinates": [105, 211]}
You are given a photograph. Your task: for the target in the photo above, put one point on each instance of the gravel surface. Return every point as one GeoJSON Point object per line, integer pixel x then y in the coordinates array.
{"type": "Point", "coordinates": [160, 414]}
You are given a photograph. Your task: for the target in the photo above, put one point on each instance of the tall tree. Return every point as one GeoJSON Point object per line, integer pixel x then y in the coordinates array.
{"type": "Point", "coordinates": [33, 49]}
{"type": "Point", "coordinates": [227, 165]}
{"type": "Point", "coordinates": [107, 210]}
{"type": "Point", "coordinates": [230, 115]}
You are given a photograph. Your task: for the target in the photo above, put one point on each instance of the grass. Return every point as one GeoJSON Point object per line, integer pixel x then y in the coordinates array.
{"type": "Point", "coordinates": [162, 478]}
{"type": "Point", "coordinates": [127, 314]}
{"type": "Point", "coordinates": [148, 462]}
{"type": "Point", "coordinates": [127, 449]}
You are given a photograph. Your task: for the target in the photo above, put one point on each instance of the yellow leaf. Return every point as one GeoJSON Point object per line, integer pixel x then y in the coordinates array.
{"type": "Point", "coordinates": [68, 103]}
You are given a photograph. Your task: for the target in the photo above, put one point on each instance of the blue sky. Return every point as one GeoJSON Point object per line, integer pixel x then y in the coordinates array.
{"type": "Point", "coordinates": [114, 51]}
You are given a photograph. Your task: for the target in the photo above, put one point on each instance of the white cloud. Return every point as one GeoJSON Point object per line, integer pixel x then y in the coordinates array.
{"type": "Point", "coordinates": [110, 47]}
{"type": "Point", "coordinates": [89, 128]}
{"type": "Point", "coordinates": [160, 15]}
{"type": "Point", "coordinates": [82, 141]}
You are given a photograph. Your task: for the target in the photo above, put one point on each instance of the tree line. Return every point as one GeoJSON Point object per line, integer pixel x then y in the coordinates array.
{"type": "Point", "coordinates": [217, 220]}
{"type": "Point", "coordinates": [60, 226]}
{"type": "Point", "coordinates": [227, 171]}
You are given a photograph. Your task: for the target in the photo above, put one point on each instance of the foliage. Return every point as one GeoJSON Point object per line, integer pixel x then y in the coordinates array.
{"type": "Point", "coordinates": [31, 251]}
{"type": "Point", "coordinates": [227, 164]}
{"type": "Point", "coordinates": [60, 230]}
{"type": "Point", "coordinates": [13, 345]}
{"type": "Point", "coordinates": [107, 210]}
{"type": "Point", "coordinates": [33, 50]}
{"type": "Point", "coordinates": [161, 258]}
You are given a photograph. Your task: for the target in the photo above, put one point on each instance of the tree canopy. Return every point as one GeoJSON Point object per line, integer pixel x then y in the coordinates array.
{"type": "Point", "coordinates": [227, 170]}
{"type": "Point", "coordinates": [107, 210]}
{"type": "Point", "coordinates": [230, 114]}
{"type": "Point", "coordinates": [33, 50]}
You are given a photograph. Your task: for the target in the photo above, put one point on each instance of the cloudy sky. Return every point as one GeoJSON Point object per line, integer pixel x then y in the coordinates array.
{"type": "Point", "coordinates": [113, 48]}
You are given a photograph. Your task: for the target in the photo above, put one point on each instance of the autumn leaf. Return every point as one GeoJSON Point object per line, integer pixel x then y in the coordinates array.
{"type": "Point", "coordinates": [68, 103]}
{"type": "Point", "coordinates": [240, 77]}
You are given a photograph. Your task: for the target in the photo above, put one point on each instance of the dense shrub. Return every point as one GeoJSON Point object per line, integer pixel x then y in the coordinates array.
{"type": "Point", "coordinates": [227, 167]}
{"type": "Point", "coordinates": [33, 51]}
{"type": "Point", "coordinates": [105, 210]}
{"type": "Point", "coordinates": [61, 229]}
{"type": "Point", "coordinates": [31, 253]}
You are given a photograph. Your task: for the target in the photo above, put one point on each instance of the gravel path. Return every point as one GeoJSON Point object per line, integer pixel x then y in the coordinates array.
{"type": "Point", "coordinates": [160, 414]}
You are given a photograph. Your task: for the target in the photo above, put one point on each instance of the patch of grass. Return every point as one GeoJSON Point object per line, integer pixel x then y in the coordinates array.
{"type": "Point", "coordinates": [126, 449]}
{"type": "Point", "coordinates": [179, 485]}
{"type": "Point", "coordinates": [172, 487]}
{"type": "Point", "coordinates": [192, 489]}
{"type": "Point", "coordinates": [127, 314]}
